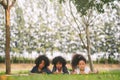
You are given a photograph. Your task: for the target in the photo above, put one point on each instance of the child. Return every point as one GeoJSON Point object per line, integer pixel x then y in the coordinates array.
{"type": "Point", "coordinates": [42, 63]}
{"type": "Point", "coordinates": [79, 65]}
{"type": "Point", "coordinates": [59, 65]}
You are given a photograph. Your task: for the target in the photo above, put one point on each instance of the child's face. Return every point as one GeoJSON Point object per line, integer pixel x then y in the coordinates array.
{"type": "Point", "coordinates": [81, 65]}
{"type": "Point", "coordinates": [59, 65]}
{"type": "Point", "coordinates": [42, 64]}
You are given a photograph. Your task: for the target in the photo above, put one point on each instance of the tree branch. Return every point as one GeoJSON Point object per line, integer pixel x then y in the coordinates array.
{"type": "Point", "coordinates": [82, 41]}
{"type": "Point", "coordinates": [71, 23]}
{"type": "Point", "coordinates": [77, 32]}
{"type": "Point", "coordinates": [3, 3]}
{"type": "Point", "coordinates": [77, 25]}
{"type": "Point", "coordinates": [74, 16]}
{"type": "Point", "coordinates": [13, 2]}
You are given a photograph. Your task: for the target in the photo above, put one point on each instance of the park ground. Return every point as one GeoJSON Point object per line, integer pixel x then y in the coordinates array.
{"type": "Point", "coordinates": [28, 67]}
{"type": "Point", "coordinates": [21, 72]}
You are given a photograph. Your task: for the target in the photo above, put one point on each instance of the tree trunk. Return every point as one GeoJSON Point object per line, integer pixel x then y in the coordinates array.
{"type": "Point", "coordinates": [7, 46]}
{"type": "Point", "coordinates": [88, 48]}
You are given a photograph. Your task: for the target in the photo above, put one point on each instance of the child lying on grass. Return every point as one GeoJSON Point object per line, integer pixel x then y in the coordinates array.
{"type": "Point", "coordinates": [59, 65]}
{"type": "Point", "coordinates": [42, 63]}
{"type": "Point", "coordinates": [79, 65]}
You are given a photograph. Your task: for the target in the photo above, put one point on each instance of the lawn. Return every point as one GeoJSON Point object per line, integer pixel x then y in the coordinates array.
{"type": "Point", "coordinates": [112, 75]}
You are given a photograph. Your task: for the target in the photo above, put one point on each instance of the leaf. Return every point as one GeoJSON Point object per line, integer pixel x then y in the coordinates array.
{"type": "Point", "coordinates": [61, 1]}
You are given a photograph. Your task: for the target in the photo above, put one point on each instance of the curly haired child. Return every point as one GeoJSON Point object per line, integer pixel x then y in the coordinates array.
{"type": "Point", "coordinates": [42, 63]}
{"type": "Point", "coordinates": [79, 65]}
{"type": "Point", "coordinates": [59, 65]}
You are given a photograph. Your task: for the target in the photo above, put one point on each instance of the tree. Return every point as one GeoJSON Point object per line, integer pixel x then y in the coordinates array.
{"type": "Point", "coordinates": [84, 8]}
{"type": "Point", "coordinates": [7, 4]}
{"type": "Point", "coordinates": [106, 36]}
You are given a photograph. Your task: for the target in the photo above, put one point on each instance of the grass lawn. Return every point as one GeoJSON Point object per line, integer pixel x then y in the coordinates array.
{"type": "Point", "coordinates": [112, 75]}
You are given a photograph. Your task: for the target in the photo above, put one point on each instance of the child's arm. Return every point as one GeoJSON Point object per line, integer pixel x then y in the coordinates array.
{"type": "Point", "coordinates": [65, 70]}
{"type": "Point", "coordinates": [73, 72]}
{"type": "Point", "coordinates": [34, 69]}
{"type": "Point", "coordinates": [54, 69]}
{"type": "Point", "coordinates": [94, 72]}
{"type": "Point", "coordinates": [48, 71]}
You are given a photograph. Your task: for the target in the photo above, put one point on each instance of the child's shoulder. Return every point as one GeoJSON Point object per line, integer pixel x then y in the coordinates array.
{"type": "Point", "coordinates": [34, 69]}
{"type": "Point", "coordinates": [47, 70]}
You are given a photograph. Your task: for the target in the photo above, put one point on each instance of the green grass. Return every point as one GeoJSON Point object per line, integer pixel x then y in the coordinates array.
{"type": "Point", "coordinates": [112, 75]}
{"type": "Point", "coordinates": [2, 73]}
{"type": "Point", "coordinates": [115, 75]}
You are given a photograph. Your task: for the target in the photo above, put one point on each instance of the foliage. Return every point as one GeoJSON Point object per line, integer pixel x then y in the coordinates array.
{"type": "Point", "coordinates": [2, 59]}
{"type": "Point", "coordinates": [83, 6]}
{"type": "Point", "coordinates": [41, 28]}
{"type": "Point", "coordinates": [17, 60]}
{"type": "Point", "coordinates": [110, 61]}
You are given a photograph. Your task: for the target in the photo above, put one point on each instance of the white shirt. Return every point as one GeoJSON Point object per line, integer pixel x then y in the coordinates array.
{"type": "Point", "coordinates": [86, 70]}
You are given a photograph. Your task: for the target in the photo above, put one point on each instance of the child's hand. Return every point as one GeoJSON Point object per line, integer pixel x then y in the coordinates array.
{"type": "Point", "coordinates": [95, 72]}
{"type": "Point", "coordinates": [57, 72]}
{"type": "Point", "coordinates": [44, 73]}
{"type": "Point", "coordinates": [73, 72]}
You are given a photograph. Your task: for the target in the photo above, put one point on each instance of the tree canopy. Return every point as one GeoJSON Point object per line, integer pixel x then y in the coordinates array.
{"type": "Point", "coordinates": [83, 6]}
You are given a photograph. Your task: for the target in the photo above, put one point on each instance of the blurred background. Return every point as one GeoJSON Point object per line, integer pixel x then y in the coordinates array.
{"type": "Point", "coordinates": [50, 28]}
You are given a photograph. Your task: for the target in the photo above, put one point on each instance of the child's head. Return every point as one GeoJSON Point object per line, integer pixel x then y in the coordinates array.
{"type": "Point", "coordinates": [42, 62]}
{"type": "Point", "coordinates": [59, 62]}
{"type": "Point", "coordinates": [78, 61]}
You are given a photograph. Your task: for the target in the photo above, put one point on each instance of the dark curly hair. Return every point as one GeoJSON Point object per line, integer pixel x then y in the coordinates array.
{"type": "Point", "coordinates": [75, 60]}
{"type": "Point", "coordinates": [39, 60]}
{"type": "Point", "coordinates": [59, 59]}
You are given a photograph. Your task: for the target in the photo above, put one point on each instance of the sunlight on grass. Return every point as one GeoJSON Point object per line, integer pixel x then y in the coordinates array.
{"type": "Point", "coordinates": [106, 75]}
{"type": "Point", "coordinates": [68, 77]}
